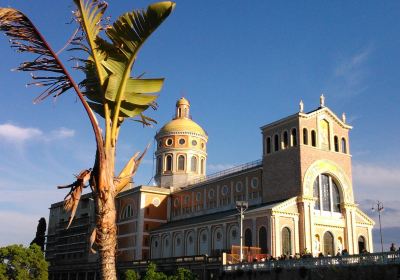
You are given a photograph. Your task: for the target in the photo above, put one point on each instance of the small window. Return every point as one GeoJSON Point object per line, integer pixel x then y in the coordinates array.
{"type": "Point", "coordinates": [285, 140]}
{"type": "Point", "coordinates": [169, 163]}
{"type": "Point", "coordinates": [305, 136]}
{"type": "Point", "coordinates": [202, 166]}
{"type": "Point", "coordinates": [181, 163]}
{"type": "Point", "coordinates": [344, 147]}
{"type": "Point", "coordinates": [336, 142]}
{"type": "Point", "coordinates": [194, 142]}
{"type": "Point", "coordinates": [276, 143]}
{"type": "Point", "coordinates": [193, 164]}
{"type": "Point", "coordinates": [293, 136]}
{"type": "Point", "coordinates": [182, 141]}
{"type": "Point", "coordinates": [313, 138]}
{"type": "Point", "coordinates": [169, 142]}
{"type": "Point", "coordinates": [268, 145]}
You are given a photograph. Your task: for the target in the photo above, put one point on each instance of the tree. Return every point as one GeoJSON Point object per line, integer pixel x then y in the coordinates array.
{"type": "Point", "coordinates": [131, 275]}
{"type": "Point", "coordinates": [20, 263]}
{"type": "Point", "coordinates": [152, 274]}
{"type": "Point", "coordinates": [40, 234]}
{"type": "Point", "coordinates": [183, 274]}
{"type": "Point", "coordinates": [108, 90]}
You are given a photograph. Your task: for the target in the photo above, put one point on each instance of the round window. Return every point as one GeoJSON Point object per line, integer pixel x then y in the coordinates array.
{"type": "Point", "coordinates": [194, 142]}
{"type": "Point", "coordinates": [211, 194]}
{"type": "Point", "coordinates": [254, 183]}
{"type": "Point", "coordinates": [224, 190]}
{"type": "Point", "coordinates": [156, 202]}
{"type": "Point", "coordinates": [182, 141]}
{"type": "Point", "coordinates": [169, 142]}
{"type": "Point", "coordinates": [239, 186]}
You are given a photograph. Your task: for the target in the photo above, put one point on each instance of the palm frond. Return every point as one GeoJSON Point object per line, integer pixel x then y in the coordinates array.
{"type": "Point", "coordinates": [24, 37]}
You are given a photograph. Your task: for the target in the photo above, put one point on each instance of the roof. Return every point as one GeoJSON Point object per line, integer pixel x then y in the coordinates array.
{"type": "Point", "coordinates": [232, 213]}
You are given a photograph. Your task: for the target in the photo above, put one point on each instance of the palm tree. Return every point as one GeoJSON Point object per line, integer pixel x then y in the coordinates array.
{"type": "Point", "coordinates": [108, 90]}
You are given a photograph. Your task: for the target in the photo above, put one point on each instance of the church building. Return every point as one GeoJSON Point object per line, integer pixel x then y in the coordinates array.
{"type": "Point", "coordinates": [299, 194]}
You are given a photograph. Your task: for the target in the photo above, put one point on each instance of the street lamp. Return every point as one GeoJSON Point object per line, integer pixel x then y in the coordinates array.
{"type": "Point", "coordinates": [241, 206]}
{"type": "Point", "coordinates": [379, 208]}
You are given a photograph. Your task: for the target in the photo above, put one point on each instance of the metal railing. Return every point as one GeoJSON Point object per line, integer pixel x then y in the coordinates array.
{"type": "Point", "coordinates": [363, 259]}
{"type": "Point", "coordinates": [225, 172]}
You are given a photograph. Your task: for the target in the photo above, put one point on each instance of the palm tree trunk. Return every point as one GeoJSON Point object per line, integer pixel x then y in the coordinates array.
{"type": "Point", "coordinates": [106, 237]}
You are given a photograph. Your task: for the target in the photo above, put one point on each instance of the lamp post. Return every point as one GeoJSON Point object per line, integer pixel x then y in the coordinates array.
{"type": "Point", "coordinates": [241, 206]}
{"type": "Point", "coordinates": [379, 208]}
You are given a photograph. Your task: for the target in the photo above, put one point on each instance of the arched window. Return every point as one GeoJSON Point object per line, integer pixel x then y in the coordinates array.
{"type": "Point", "coordinates": [159, 165]}
{"type": "Point", "coordinates": [127, 212]}
{"type": "Point", "coordinates": [328, 244]}
{"type": "Point", "coordinates": [193, 164]}
{"type": "Point", "coordinates": [305, 136]}
{"type": "Point", "coordinates": [202, 166]}
{"type": "Point", "coordinates": [285, 140]}
{"type": "Point", "coordinates": [361, 244]}
{"type": "Point", "coordinates": [181, 163]}
{"type": "Point", "coordinates": [168, 160]}
{"type": "Point", "coordinates": [276, 143]}
{"type": "Point", "coordinates": [344, 147]}
{"type": "Point", "coordinates": [326, 193]}
{"type": "Point", "coordinates": [336, 140]}
{"type": "Point", "coordinates": [268, 145]}
{"type": "Point", "coordinates": [286, 241]}
{"type": "Point", "coordinates": [313, 138]}
{"type": "Point", "coordinates": [262, 240]}
{"type": "Point", "coordinates": [248, 240]}
{"type": "Point", "coordinates": [293, 136]}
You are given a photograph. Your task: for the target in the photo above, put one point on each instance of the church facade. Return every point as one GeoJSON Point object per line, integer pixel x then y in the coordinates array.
{"type": "Point", "coordinates": [300, 194]}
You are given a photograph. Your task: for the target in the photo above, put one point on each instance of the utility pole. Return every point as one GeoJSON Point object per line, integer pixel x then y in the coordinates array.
{"type": "Point", "coordinates": [241, 206]}
{"type": "Point", "coordinates": [379, 208]}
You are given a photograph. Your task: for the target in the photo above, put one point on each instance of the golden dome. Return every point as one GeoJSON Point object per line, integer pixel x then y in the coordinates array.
{"type": "Point", "coordinates": [182, 125]}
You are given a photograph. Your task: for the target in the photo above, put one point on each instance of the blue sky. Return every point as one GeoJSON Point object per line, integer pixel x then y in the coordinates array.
{"type": "Point", "coordinates": [242, 64]}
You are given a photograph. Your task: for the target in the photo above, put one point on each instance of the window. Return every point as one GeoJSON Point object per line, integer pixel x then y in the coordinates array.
{"type": "Point", "coordinates": [159, 165]}
{"type": "Point", "coordinates": [169, 142]}
{"type": "Point", "coordinates": [127, 212]}
{"type": "Point", "coordinates": [344, 147]}
{"type": "Point", "coordinates": [182, 141]}
{"type": "Point", "coordinates": [336, 142]}
{"type": "Point", "coordinates": [293, 136]}
{"type": "Point", "coordinates": [262, 239]}
{"type": "Point", "coordinates": [268, 145]}
{"type": "Point", "coordinates": [305, 136]}
{"type": "Point", "coordinates": [361, 244]}
{"type": "Point", "coordinates": [248, 240]}
{"type": "Point", "coordinates": [193, 164]}
{"type": "Point", "coordinates": [276, 143]}
{"type": "Point", "coordinates": [326, 193]}
{"type": "Point", "coordinates": [285, 140]}
{"type": "Point", "coordinates": [324, 135]}
{"type": "Point", "coordinates": [181, 163]}
{"type": "Point", "coordinates": [168, 159]}
{"type": "Point", "coordinates": [313, 138]}
{"type": "Point", "coordinates": [202, 166]}
{"type": "Point", "coordinates": [286, 241]}
{"type": "Point", "coordinates": [328, 244]}
{"type": "Point", "coordinates": [194, 142]}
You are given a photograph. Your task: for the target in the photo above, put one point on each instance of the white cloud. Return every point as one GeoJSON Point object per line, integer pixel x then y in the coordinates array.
{"type": "Point", "coordinates": [13, 133]}
{"type": "Point", "coordinates": [370, 175]}
{"type": "Point", "coordinates": [17, 134]}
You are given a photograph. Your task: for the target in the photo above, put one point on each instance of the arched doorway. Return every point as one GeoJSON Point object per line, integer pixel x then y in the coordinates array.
{"type": "Point", "coordinates": [361, 244]}
{"type": "Point", "coordinates": [328, 244]}
{"type": "Point", "coordinates": [286, 241]}
{"type": "Point", "coordinates": [248, 242]}
{"type": "Point", "coordinates": [262, 240]}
